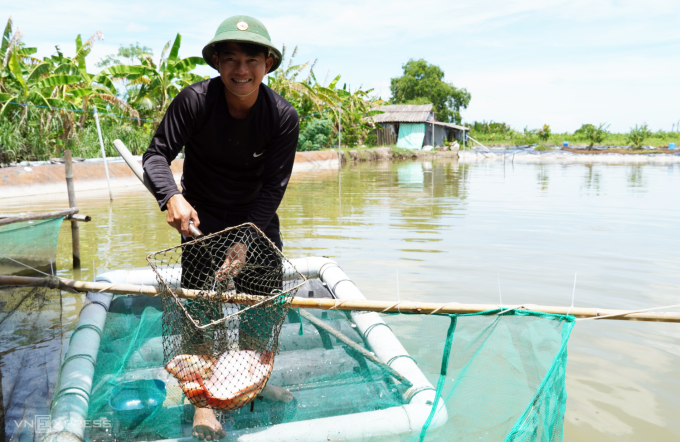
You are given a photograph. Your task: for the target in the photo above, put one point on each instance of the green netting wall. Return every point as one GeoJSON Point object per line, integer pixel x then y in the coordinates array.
{"type": "Point", "coordinates": [33, 243]}
{"type": "Point", "coordinates": [505, 375]}
{"type": "Point", "coordinates": [503, 378]}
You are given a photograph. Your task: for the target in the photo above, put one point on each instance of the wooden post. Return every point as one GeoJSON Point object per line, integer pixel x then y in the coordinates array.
{"type": "Point", "coordinates": [75, 232]}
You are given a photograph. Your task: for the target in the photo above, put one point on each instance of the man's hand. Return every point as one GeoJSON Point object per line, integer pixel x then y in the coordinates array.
{"type": "Point", "coordinates": [234, 262]}
{"type": "Point", "coordinates": [180, 213]}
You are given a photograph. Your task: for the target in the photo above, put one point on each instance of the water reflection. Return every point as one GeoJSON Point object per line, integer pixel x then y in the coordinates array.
{"type": "Point", "coordinates": [635, 178]}
{"type": "Point", "coordinates": [412, 175]}
{"type": "Point", "coordinates": [592, 179]}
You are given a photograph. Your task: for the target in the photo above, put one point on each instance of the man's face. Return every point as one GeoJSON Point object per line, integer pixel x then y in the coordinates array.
{"type": "Point", "coordinates": [241, 73]}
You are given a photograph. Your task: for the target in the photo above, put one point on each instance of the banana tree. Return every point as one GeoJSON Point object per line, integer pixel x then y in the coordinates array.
{"type": "Point", "coordinates": [351, 110]}
{"type": "Point", "coordinates": [304, 95]}
{"type": "Point", "coordinates": [73, 83]}
{"type": "Point", "coordinates": [152, 86]}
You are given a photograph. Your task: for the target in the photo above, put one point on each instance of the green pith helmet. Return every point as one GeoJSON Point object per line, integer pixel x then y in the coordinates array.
{"type": "Point", "coordinates": [242, 29]}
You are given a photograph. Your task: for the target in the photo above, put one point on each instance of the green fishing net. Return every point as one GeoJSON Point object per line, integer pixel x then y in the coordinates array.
{"type": "Point", "coordinates": [32, 243]}
{"type": "Point", "coordinates": [493, 376]}
{"type": "Point", "coordinates": [499, 377]}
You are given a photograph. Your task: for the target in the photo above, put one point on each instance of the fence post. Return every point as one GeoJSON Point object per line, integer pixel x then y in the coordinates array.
{"type": "Point", "coordinates": [75, 232]}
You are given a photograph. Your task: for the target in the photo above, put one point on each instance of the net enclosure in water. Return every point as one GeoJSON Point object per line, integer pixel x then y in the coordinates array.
{"type": "Point", "coordinates": [136, 366]}
{"type": "Point", "coordinates": [27, 244]}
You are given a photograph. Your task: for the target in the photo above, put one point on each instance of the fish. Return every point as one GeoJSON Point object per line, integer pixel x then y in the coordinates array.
{"type": "Point", "coordinates": [188, 368]}
{"type": "Point", "coordinates": [227, 382]}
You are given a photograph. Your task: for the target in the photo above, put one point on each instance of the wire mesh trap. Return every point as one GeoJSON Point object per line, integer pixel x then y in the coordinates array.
{"type": "Point", "coordinates": [222, 353]}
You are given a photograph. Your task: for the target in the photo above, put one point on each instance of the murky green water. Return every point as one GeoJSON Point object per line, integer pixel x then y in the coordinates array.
{"type": "Point", "coordinates": [452, 231]}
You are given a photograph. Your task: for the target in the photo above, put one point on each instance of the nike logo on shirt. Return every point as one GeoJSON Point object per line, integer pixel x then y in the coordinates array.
{"type": "Point", "coordinates": [257, 154]}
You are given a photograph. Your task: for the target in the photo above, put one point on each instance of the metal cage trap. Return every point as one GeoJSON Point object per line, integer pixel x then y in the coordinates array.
{"type": "Point", "coordinates": [224, 299]}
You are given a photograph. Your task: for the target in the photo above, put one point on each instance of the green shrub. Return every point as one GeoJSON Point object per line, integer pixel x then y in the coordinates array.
{"type": "Point", "coordinates": [544, 132]}
{"type": "Point", "coordinates": [316, 135]}
{"type": "Point", "coordinates": [637, 135]}
{"type": "Point", "coordinates": [594, 135]}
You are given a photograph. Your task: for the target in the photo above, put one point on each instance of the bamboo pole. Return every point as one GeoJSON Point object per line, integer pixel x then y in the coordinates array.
{"type": "Point", "coordinates": [15, 218]}
{"type": "Point", "coordinates": [334, 304]}
{"type": "Point", "coordinates": [356, 347]}
{"type": "Point", "coordinates": [75, 231]}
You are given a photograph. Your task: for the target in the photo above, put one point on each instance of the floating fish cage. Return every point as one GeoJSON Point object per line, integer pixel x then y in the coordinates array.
{"type": "Point", "coordinates": [113, 384]}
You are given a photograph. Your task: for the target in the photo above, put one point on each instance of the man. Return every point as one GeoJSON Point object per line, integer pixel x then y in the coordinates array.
{"type": "Point", "coordinates": [240, 139]}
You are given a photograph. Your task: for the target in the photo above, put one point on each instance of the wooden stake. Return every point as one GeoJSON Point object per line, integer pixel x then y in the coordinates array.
{"type": "Point", "coordinates": [336, 304]}
{"type": "Point", "coordinates": [75, 232]}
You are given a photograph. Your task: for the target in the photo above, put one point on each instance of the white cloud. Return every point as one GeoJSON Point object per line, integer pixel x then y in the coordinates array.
{"type": "Point", "coordinates": [526, 62]}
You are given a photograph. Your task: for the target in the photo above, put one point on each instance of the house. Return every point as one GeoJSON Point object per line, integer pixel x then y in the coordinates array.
{"type": "Point", "coordinates": [412, 126]}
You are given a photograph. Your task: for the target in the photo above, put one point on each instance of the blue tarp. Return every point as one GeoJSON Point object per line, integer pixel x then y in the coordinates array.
{"type": "Point", "coordinates": [411, 135]}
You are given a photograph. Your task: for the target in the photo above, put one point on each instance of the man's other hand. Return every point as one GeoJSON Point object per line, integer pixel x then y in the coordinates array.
{"type": "Point", "coordinates": [180, 213]}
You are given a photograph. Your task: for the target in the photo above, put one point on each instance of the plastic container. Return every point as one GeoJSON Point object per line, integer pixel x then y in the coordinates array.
{"type": "Point", "coordinates": [671, 146]}
{"type": "Point", "coordinates": [134, 401]}
{"type": "Point", "coordinates": [565, 143]}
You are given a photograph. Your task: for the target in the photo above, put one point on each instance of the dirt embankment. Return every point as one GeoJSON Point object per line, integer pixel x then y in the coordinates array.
{"type": "Point", "coordinates": [386, 153]}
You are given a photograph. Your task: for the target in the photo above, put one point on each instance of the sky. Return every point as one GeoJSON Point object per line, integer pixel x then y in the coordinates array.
{"type": "Point", "coordinates": [525, 63]}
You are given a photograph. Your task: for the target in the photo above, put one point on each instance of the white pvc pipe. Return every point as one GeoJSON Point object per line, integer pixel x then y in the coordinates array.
{"type": "Point", "coordinates": [392, 421]}
{"type": "Point", "coordinates": [71, 400]}
{"type": "Point", "coordinates": [101, 143]}
{"type": "Point", "coordinates": [380, 338]}
{"type": "Point", "coordinates": [308, 267]}
{"type": "Point", "coordinates": [69, 411]}
{"type": "Point", "coordinates": [360, 426]}
{"type": "Point", "coordinates": [132, 162]}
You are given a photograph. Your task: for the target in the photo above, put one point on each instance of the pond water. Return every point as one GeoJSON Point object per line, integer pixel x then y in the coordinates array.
{"type": "Point", "coordinates": [441, 231]}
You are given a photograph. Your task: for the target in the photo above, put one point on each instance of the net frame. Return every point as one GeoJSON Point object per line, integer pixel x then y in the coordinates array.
{"type": "Point", "coordinates": [220, 341]}
{"type": "Point", "coordinates": [220, 295]}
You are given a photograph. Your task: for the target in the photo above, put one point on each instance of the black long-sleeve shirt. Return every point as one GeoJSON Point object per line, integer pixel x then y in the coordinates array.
{"type": "Point", "coordinates": [230, 164]}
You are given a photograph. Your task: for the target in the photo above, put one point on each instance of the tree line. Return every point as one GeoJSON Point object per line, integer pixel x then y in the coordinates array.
{"type": "Point", "coordinates": [46, 104]}
{"type": "Point", "coordinates": [590, 135]}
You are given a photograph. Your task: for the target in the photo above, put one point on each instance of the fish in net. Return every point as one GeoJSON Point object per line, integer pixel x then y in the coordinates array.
{"type": "Point", "coordinates": [220, 351]}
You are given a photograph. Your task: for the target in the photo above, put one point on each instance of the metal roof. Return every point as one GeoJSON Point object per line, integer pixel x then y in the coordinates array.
{"type": "Point", "coordinates": [451, 125]}
{"type": "Point", "coordinates": [403, 113]}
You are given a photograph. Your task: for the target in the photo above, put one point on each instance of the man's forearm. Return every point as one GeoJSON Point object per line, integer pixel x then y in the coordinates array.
{"type": "Point", "coordinates": [163, 184]}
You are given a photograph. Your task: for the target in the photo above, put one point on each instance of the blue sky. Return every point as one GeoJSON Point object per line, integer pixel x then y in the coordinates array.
{"type": "Point", "coordinates": [526, 63]}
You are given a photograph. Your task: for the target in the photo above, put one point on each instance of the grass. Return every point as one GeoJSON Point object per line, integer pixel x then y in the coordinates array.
{"type": "Point", "coordinates": [657, 139]}
{"type": "Point", "coordinates": [29, 144]}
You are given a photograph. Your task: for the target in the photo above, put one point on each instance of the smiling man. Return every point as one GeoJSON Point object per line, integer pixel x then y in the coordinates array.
{"type": "Point", "coordinates": [239, 138]}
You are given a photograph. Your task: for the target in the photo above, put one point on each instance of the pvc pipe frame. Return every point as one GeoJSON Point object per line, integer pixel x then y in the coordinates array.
{"type": "Point", "coordinates": [382, 341]}
{"type": "Point", "coordinates": [71, 400]}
